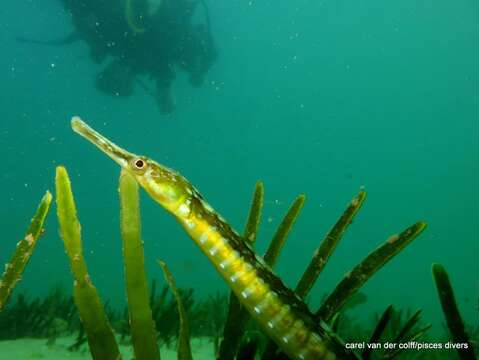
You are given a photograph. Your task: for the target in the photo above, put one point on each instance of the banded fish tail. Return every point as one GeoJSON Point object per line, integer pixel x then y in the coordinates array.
{"type": "Point", "coordinates": [278, 310]}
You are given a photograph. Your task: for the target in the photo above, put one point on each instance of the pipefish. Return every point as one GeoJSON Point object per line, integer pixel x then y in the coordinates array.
{"type": "Point", "coordinates": [279, 311]}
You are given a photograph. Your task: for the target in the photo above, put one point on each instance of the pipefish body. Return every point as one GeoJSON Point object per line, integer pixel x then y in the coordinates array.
{"type": "Point", "coordinates": [280, 312]}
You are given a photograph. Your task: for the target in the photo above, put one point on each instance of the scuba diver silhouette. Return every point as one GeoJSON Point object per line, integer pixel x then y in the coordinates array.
{"type": "Point", "coordinates": [137, 38]}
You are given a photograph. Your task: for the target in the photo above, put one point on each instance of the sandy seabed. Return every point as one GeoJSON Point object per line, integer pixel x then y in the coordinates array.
{"type": "Point", "coordinates": [38, 349]}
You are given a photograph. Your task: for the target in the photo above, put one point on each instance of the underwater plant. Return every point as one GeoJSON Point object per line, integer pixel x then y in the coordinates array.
{"type": "Point", "coordinates": [454, 320]}
{"type": "Point", "coordinates": [396, 327]}
{"type": "Point", "coordinates": [263, 319]}
{"type": "Point", "coordinates": [141, 322]}
{"type": "Point", "coordinates": [165, 314]}
{"type": "Point", "coordinates": [23, 252]}
{"type": "Point", "coordinates": [183, 346]}
{"type": "Point", "coordinates": [100, 335]}
{"type": "Point", "coordinates": [50, 317]}
{"type": "Point", "coordinates": [282, 314]}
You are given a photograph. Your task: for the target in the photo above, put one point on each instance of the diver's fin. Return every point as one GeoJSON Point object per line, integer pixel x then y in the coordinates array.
{"type": "Point", "coordinates": [74, 36]}
{"type": "Point", "coordinates": [207, 15]}
{"type": "Point", "coordinates": [211, 43]}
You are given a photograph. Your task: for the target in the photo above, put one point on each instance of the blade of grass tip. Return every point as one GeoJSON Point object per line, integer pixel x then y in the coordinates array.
{"type": "Point", "coordinates": [24, 250]}
{"type": "Point", "coordinates": [413, 320]}
{"type": "Point", "coordinates": [101, 339]}
{"type": "Point", "coordinates": [238, 317]}
{"type": "Point", "coordinates": [378, 331]}
{"type": "Point", "coordinates": [254, 215]}
{"type": "Point", "coordinates": [451, 312]}
{"type": "Point", "coordinates": [272, 254]}
{"type": "Point", "coordinates": [143, 332]}
{"type": "Point", "coordinates": [411, 337]}
{"type": "Point", "coordinates": [417, 334]}
{"type": "Point", "coordinates": [281, 234]}
{"type": "Point", "coordinates": [360, 274]}
{"type": "Point", "coordinates": [184, 347]}
{"type": "Point", "coordinates": [328, 245]}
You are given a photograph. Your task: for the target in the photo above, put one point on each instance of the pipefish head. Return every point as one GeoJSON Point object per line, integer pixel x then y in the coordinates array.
{"type": "Point", "coordinates": [164, 185]}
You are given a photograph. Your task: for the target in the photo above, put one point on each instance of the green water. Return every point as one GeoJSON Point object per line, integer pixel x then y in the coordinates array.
{"type": "Point", "coordinates": [313, 97]}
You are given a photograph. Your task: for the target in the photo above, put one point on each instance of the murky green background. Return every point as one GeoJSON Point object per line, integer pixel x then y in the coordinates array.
{"type": "Point", "coordinates": [314, 97]}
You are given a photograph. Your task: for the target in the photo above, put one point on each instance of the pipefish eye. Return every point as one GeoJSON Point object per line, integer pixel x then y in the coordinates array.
{"type": "Point", "coordinates": [139, 164]}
